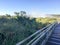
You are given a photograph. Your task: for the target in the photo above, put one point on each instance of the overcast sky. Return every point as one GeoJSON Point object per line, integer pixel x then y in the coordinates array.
{"type": "Point", "coordinates": [34, 7]}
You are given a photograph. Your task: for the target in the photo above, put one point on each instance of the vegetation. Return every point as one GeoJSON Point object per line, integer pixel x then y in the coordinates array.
{"type": "Point", "coordinates": [16, 28]}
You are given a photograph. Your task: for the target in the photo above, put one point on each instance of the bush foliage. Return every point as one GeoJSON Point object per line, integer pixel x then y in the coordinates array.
{"type": "Point", "coordinates": [16, 28]}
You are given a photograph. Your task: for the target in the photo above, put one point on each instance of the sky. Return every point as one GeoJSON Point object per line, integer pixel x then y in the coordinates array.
{"type": "Point", "coordinates": [35, 8]}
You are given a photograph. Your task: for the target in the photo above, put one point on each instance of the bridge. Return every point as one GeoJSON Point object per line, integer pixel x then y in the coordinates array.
{"type": "Point", "coordinates": [49, 35]}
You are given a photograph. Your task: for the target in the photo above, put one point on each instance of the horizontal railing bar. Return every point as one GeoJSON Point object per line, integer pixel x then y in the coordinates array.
{"type": "Point", "coordinates": [42, 35]}
{"type": "Point", "coordinates": [34, 43]}
{"type": "Point", "coordinates": [32, 35]}
{"type": "Point", "coordinates": [21, 42]}
{"type": "Point", "coordinates": [48, 35]}
{"type": "Point", "coordinates": [35, 37]}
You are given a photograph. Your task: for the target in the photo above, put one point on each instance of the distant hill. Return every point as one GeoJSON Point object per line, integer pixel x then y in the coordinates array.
{"type": "Point", "coordinates": [53, 15]}
{"type": "Point", "coordinates": [56, 15]}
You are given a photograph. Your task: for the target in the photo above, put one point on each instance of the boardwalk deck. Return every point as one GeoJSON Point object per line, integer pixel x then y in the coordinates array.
{"type": "Point", "coordinates": [55, 37]}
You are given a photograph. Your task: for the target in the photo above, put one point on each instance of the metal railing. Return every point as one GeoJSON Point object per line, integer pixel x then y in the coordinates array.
{"type": "Point", "coordinates": [40, 37]}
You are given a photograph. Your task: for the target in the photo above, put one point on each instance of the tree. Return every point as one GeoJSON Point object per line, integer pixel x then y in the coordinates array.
{"type": "Point", "coordinates": [22, 13]}
{"type": "Point", "coordinates": [8, 15]}
{"type": "Point", "coordinates": [16, 13]}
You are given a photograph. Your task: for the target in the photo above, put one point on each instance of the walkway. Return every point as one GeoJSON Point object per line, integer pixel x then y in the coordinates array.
{"type": "Point", "coordinates": [55, 37]}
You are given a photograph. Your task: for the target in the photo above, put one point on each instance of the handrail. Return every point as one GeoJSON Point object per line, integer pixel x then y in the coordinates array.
{"type": "Point", "coordinates": [43, 33]}
{"type": "Point", "coordinates": [39, 32]}
{"type": "Point", "coordinates": [32, 35]}
{"type": "Point", "coordinates": [35, 37]}
{"type": "Point", "coordinates": [48, 34]}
